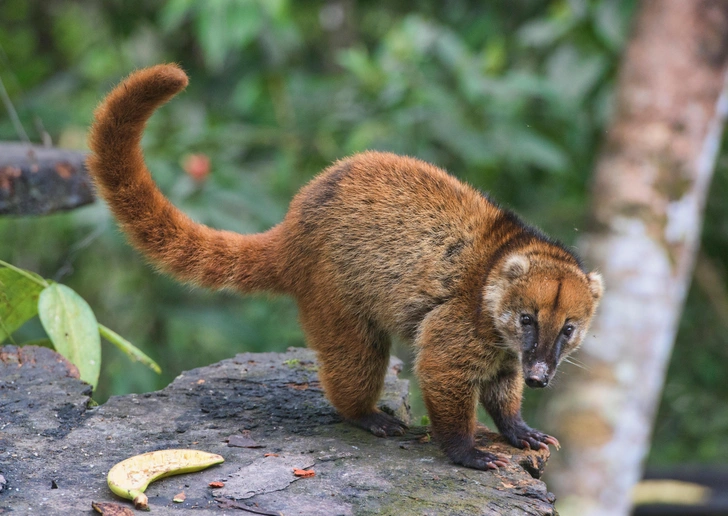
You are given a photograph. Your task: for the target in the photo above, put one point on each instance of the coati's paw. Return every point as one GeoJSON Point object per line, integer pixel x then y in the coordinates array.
{"type": "Point", "coordinates": [526, 438]}
{"type": "Point", "coordinates": [380, 424]}
{"type": "Point", "coordinates": [478, 459]}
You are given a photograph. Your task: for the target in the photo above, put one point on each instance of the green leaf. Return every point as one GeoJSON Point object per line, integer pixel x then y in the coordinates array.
{"type": "Point", "coordinates": [18, 300]}
{"type": "Point", "coordinates": [244, 22]}
{"type": "Point", "coordinates": [32, 276]}
{"type": "Point", "coordinates": [72, 326]}
{"type": "Point", "coordinates": [210, 24]}
{"type": "Point", "coordinates": [543, 32]}
{"type": "Point", "coordinates": [609, 24]}
{"type": "Point", "coordinates": [534, 149]}
{"type": "Point", "coordinates": [357, 61]}
{"type": "Point", "coordinates": [226, 25]}
{"type": "Point", "coordinates": [174, 13]}
{"type": "Point", "coordinates": [133, 352]}
{"type": "Point", "coordinates": [575, 74]}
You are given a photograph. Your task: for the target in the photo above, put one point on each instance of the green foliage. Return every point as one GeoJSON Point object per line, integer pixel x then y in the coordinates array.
{"type": "Point", "coordinates": [512, 96]}
{"type": "Point", "coordinates": [67, 319]}
{"type": "Point", "coordinates": [18, 301]}
{"type": "Point", "coordinates": [72, 327]}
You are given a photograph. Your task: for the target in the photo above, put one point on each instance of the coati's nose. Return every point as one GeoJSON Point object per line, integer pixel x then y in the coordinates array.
{"type": "Point", "coordinates": [537, 376]}
{"type": "Point", "coordinates": [536, 382]}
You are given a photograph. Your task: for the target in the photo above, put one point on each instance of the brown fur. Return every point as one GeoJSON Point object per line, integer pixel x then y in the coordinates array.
{"type": "Point", "coordinates": [376, 245]}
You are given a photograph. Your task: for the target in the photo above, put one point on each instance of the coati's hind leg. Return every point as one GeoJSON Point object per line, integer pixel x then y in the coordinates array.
{"type": "Point", "coordinates": [353, 357]}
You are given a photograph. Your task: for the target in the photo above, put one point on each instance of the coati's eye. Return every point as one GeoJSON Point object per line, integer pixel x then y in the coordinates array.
{"type": "Point", "coordinates": [526, 320]}
{"type": "Point", "coordinates": [568, 330]}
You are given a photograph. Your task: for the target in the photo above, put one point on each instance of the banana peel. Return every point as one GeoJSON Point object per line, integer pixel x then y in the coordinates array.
{"type": "Point", "coordinates": [130, 478]}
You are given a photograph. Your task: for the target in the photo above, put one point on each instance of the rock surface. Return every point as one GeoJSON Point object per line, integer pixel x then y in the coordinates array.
{"type": "Point", "coordinates": [56, 448]}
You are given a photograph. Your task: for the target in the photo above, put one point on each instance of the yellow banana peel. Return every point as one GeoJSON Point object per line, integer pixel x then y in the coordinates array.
{"type": "Point", "coordinates": [130, 478]}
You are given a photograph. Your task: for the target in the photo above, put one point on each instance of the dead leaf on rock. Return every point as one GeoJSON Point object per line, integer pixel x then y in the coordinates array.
{"type": "Point", "coordinates": [111, 509]}
{"type": "Point", "coordinates": [179, 497]}
{"type": "Point", "coordinates": [217, 484]}
{"type": "Point", "coordinates": [304, 473]}
{"type": "Point", "coordinates": [298, 386]}
{"type": "Point", "coordinates": [271, 455]}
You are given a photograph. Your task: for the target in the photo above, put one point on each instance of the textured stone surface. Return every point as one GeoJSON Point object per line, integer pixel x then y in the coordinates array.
{"type": "Point", "coordinates": [55, 449]}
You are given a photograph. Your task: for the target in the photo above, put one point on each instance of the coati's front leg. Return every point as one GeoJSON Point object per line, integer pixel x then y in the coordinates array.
{"type": "Point", "coordinates": [501, 397]}
{"type": "Point", "coordinates": [445, 368]}
{"type": "Point", "coordinates": [451, 406]}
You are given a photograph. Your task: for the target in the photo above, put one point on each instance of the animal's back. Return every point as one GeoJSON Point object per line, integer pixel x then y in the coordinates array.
{"type": "Point", "coordinates": [391, 235]}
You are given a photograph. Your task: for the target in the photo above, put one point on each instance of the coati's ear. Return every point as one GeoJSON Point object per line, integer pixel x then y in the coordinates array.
{"type": "Point", "coordinates": [516, 266]}
{"type": "Point", "coordinates": [596, 284]}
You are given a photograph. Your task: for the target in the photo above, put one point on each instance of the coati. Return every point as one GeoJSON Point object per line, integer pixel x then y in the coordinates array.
{"type": "Point", "coordinates": [376, 245]}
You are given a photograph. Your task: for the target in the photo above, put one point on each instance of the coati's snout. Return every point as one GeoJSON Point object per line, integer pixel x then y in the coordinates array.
{"type": "Point", "coordinates": [537, 375]}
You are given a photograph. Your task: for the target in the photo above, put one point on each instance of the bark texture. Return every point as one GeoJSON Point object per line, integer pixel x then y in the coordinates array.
{"type": "Point", "coordinates": [37, 180]}
{"type": "Point", "coordinates": [651, 181]}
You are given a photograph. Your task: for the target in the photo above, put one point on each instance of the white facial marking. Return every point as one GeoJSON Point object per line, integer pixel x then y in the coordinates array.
{"type": "Point", "coordinates": [492, 297]}
{"type": "Point", "coordinates": [505, 318]}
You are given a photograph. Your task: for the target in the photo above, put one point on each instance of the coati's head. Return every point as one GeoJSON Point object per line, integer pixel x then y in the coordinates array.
{"type": "Point", "coordinates": [542, 308]}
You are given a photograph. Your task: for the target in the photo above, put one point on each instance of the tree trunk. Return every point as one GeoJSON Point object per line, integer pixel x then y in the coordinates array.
{"type": "Point", "coordinates": [651, 181]}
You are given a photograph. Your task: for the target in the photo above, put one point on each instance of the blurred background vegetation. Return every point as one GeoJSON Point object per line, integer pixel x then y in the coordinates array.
{"type": "Point", "coordinates": [510, 95]}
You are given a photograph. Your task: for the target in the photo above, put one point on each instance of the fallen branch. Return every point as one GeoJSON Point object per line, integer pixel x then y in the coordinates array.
{"type": "Point", "coordinates": [37, 180]}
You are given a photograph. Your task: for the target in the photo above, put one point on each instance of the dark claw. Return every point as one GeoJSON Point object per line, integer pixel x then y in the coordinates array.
{"type": "Point", "coordinates": [378, 431]}
{"type": "Point", "coordinates": [478, 459]}
{"type": "Point", "coordinates": [381, 424]}
{"type": "Point", "coordinates": [528, 438]}
{"type": "Point", "coordinates": [553, 440]}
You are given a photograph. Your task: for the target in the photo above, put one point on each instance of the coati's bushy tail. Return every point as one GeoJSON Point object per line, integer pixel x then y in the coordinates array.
{"type": "Point", "coordinates": [190, 251]}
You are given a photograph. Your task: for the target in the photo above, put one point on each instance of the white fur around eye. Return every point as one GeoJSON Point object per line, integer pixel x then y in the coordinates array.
{"type": "Point", "coordinates": [505, 318]}
{"type": "Point", "coordinates": [492, 297]}
{"type": "Point", "coordinates": [579, 334]}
